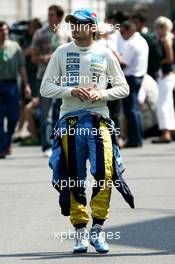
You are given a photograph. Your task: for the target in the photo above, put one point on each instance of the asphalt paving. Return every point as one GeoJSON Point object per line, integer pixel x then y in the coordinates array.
{"type": "Point", "coordinates": [32, 229]}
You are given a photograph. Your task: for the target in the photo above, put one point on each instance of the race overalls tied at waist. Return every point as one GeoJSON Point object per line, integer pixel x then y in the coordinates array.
{"type": "Point", "coordinates": [68, 155]}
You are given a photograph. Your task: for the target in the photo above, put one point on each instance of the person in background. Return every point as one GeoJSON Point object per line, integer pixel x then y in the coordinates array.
{"type": "Point", "coordinates": [134, 62]}
{"type": "Point", "coordinates": [12, 63]}
{"type": "Point", "coordinates": [166, 81]}
{"type": "Point", "coordinates": [140, 20]}
{"type": "Point", "coordinates": [147, 100]}
{"type": "Point", "coordinates": [115, 108]}
{"type": "Point", "coordinates": [31, 68]}
{"type": "Point", "coordinates": [118, 19]}
{"type": "Point", "coordinates": [45, 41]}
{"type": "Point", "coordinates": [152, 39]}
{"type": "Point", "coordinates": [104, 39]}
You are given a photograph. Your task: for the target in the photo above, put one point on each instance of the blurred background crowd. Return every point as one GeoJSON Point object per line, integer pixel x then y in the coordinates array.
{"type": "Point", "coordinates": [144, 46]}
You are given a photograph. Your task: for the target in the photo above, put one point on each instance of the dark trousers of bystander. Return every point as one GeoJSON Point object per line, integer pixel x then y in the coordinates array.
{"type": "Point", "coordinates": [132, 112]}
{"type": "Point", "coordinates": [47, 120]}
{"type": "Point", "coordinates": [9, 109]}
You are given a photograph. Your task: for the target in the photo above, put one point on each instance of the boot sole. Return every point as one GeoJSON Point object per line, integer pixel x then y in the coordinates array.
{"type": "Point", "coordinates": [99, 251]}
{"type": "Point", "coordinates": [80, 251]}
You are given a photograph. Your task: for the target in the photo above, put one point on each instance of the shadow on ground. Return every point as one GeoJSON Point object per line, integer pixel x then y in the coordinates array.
{"type": "Point", "coordinates": [157, 235]}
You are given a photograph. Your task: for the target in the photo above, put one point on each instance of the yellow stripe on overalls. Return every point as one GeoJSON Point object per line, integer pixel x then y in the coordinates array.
{"type": "Point", "coordinates": [78, 212]}
{"type": "Point", "coordinates": [100, 203]}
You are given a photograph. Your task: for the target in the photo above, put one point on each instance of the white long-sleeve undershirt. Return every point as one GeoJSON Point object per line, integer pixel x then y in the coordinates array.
{"type": "Point", "coordinates": [72, 66]}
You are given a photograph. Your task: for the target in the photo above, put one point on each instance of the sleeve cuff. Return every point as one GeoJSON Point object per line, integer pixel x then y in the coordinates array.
{"type": "Point", "coordinates": [68, 91]}
{"type": "Point", "coordinates": [104, 94]}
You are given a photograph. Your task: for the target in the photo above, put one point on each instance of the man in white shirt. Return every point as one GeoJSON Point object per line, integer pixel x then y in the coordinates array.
{"type": "Point", "coordinates": [78, 73]}
{"type": "Point", "coordinates": [44, 43]}
{"type": "Point", "coordinates": [134, 62]}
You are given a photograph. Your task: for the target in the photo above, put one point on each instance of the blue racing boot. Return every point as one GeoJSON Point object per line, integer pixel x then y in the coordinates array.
{"type": "Point", "coordinates": [82, 240]}
{"type": "Point", "coordinates": [97, 239]}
